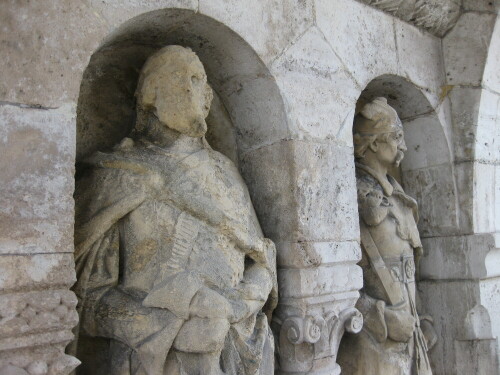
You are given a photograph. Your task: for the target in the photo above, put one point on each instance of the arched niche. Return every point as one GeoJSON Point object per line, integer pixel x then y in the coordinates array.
{"type": "Point", "coordinates": [247, 111]}
{"type": "Point", "coordinates": [426, 172]}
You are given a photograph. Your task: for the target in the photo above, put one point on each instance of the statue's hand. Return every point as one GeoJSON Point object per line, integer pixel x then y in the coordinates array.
{"type": "Point", "coordinates": [207, 303]}
{"type": "Point", "coordinates": [400, 324]}
{"type": "Point", "coordinates": [429, 332]}
{"type": "Point", "coordinates": [374, 198]}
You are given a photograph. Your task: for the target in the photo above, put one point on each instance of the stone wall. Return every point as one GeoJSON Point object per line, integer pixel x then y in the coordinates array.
{"type": "Point", "coordinates": [289, 74]}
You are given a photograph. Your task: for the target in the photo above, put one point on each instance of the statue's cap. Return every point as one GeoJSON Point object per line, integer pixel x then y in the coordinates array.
{"type": "Point", "coordinates": [377, 117]}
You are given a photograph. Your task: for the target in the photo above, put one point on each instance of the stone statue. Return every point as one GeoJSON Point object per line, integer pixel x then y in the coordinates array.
{"type": "Point", "coordinates": [395, 338]}
{"type": "Point", "coordinates": [174, 273]}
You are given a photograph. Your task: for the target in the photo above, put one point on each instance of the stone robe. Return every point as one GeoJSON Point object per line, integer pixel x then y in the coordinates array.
{"type": "Point", "coordinates": [152, 229]}
{"type": "Point", "coordinates": [392, 224]}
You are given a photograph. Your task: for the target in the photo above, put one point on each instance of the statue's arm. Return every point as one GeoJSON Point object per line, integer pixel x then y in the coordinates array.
{"type": "Point", "coordinates": [102, 199]}
{"type": "Point", "coordinates": [373, 205]}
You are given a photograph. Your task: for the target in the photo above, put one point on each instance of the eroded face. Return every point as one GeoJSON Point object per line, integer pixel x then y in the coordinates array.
{"type": "Point", "coordinates": [391, 152]}
{"type": "Point", "coordinates": [178, 94]}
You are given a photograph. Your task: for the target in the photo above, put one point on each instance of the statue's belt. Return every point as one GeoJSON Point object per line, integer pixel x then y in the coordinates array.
{"type": "Point", "coordinates": [402, 268]}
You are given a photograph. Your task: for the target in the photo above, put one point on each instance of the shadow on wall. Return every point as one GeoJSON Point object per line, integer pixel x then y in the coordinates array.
{"type": "Point", "coordinates": [247, 110]}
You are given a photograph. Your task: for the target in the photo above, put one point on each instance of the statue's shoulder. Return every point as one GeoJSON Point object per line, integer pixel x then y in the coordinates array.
{"type": "Point", "coordinates": [114, 175]}
{"type": "Point", "coordinates": [125, 157]}
{"type": "Point", "coordinates": [366, 183]}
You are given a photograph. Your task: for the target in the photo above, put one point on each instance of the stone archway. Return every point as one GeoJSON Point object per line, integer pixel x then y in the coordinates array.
{"type": "Point", "coordinates": [248, 105]}
{"type": "Point", "coordinates": [247, 111]}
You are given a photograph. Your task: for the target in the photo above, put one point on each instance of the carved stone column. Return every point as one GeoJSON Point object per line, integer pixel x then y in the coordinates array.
{"type": "Point", "coordinates": [308, 328]}
{"type": "Point", "coordinates": [37, 309]}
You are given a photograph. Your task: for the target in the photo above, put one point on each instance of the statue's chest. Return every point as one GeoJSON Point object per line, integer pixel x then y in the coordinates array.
{"type": "Point", "coordinates": [158, 238]}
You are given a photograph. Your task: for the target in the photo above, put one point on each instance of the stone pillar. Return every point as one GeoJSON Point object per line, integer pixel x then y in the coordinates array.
{"type": "Point", "coordinates": [37, 309]}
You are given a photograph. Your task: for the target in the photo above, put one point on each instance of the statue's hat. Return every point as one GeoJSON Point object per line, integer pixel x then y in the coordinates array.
{"type": "Point", "coordinates": [377, 117]}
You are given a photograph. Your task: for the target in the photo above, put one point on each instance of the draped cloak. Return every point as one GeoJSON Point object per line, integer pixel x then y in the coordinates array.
{"type": "Point", "coordinates": [152, 228]}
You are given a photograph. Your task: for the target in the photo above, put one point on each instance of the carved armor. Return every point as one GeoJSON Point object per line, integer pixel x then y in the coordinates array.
{"type": "Point", "coordinates": [392, 341]}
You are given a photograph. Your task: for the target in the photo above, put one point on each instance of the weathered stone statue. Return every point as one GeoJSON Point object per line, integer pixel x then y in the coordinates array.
{"type": "Point", "coordinates": [173, 270]}
{"type": "Point", "coordinates": [394, 339]}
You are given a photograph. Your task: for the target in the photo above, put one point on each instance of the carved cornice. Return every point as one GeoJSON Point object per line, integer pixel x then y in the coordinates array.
{"type": "Point", "coordinates": [435, 16]}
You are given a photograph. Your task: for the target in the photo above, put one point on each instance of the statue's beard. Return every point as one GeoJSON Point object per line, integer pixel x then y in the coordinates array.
{"type": "Point", "coordinates": [399, 157]}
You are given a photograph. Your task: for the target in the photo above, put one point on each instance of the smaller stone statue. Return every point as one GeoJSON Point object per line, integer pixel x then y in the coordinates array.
{"type": "Point", "coordinates": [174, 273]}
{"type": "Point", "coordinates": [395, 338]}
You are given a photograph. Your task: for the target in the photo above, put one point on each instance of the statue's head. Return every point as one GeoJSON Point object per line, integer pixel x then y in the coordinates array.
{"type": "Point", "coordinates": [173, 87]}
{"type": "Point", "coordinates": [378, 131]}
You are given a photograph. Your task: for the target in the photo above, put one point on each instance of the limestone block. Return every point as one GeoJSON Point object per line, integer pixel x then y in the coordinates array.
{"type": "Point", "coordinates": [362, 37]}
{"type": "Point", "coordinates": [465, 103]}
{"type": "Point", "coordinates": [322, 280]}
{"type": "Point", "coordinates": [487, 143]}
{"type": "Point", "coordinates": [344, 136]}
{"type": "Point", "coordinates": [279, 22]}
{"type": "Point", "coordinates": [43, 61]}
{"type": "Point", "coordinates": [319, 204]}
{"type": "Point", "coordinates": [477, 356]}
{"type": "Point", "coordinates": [491, 76]}
{"type": "Point", "coordinates": [434, 189]}
{"type": "Point", "coordinates": [437, 297]}
{"type": "Point", "coordinates": [456, 257]}
{"type": "Point", "coordinates": [444, 113]}
{"type": "Point", "coordinates": [272, 188]}
{"type": "Point", "coordinates": [497, 198]}
{"type": "Point", "coordinates": [464, 48]}
{"type": "Point", "coordinates": [426, 143]}
{"type": "Point", "coordinates": [39, 360]}
{"type": "Point", "coordinates": [259, 120]}
{"type": "Point", "coordinates": [317, 90]}
{"type": "Point", "coordinates": [28, 272]}
{"type": "Point", "coordinates": [326, 193]}
{"type": "Point", "coordinates": [479, 5]}
{"type": "Point", "coordinates": [420, 58]}
{"type": "Point", "coordinates": [464, 174]}
{"type": "Point", "coordinates": [309, 254]}
{"type": "Point", "coordinates": [35, 312]}
{"type": "Point", "coordinates": [116, 12]}
{"type": "Point", "coordinates": [36, 188]}
{"type": "Point", "coordinates": [484, 198]}
{"type": "Point", "coordinates": [490, 299]}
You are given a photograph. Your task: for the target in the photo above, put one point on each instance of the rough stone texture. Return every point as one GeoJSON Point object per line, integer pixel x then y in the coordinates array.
{"type": "Point", "coordinates": [436, 16]}
{"type": "Point", "coordinates": [235, 40]}
{"type": "Point", "coordinates": [44, 60]}
{"type": "Point", "coordinates": [457, 257]}
{"type": "Point", "coordinates": [290, 17]}
{"type": "Point", "coordinates": [464, 48]}
{"type": "Point", "coordinates": [487, 148]}
{"type": "Point", "coordinates": [425, 68]}
{"type": "Point", "coordinates": [315, 111]}
{"type": "Point", "coordinates": [36, 188]}
{"type": "Point", "coordinates": [116, 12]}
{"type": "Point", "coordinates": [359, 48]}
{"type": "Point", "coordinates": [465, 104]}
{"type": "Point", "coordinates": [491, 76]}
{"type": "Point", "coordinates": [36, 231]}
